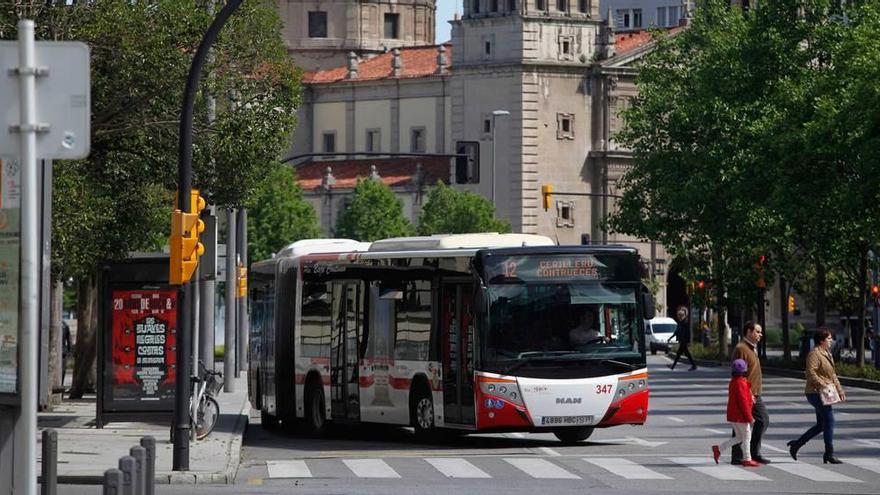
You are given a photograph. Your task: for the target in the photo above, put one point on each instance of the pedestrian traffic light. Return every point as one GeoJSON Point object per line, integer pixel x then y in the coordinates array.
{"type": "Point", "coordinates": [546, 192]}
{"type": "Point", "coordinates": [791, 304]}
{"type": "Point", "coordinates": [241, 278]}
{"type": "Point", "coordinates": [184, 244]}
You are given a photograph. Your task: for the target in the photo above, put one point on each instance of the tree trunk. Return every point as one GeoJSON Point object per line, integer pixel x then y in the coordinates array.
{"type": "Point", "coordinates": [720, 302]}
{"type": "Point", "coordinates": [820, 294]}
{"type": "Point", "coordinates": [860, 323]}
{"type": "Point", "coordinates": [86, 348]}
{"type": "Point", "coordinates": [56, 294]}
{"type": "Point", "coordinates": [786, 336]}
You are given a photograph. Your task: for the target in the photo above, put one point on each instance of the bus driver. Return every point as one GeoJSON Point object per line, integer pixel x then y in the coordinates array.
{"type": "Point", "coordinates": [586, 330]}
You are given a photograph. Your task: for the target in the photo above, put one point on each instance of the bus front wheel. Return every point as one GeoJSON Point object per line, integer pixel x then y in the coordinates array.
{"type": "Point", "coordinates": [573, 434]}
{"type": "Point", "coordinates": [422, 412]}
{"type": "Point", "coordinates": [315, 419]}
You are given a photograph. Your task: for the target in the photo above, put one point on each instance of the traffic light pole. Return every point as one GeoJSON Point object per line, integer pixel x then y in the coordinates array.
{"type": "Point", "coordinates": [180, 458]}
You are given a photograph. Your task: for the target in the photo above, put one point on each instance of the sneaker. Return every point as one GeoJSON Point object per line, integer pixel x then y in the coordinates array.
{"type": "Point", "coordinates": [716, 453]}
{"type": "Point", "coordinates": [750, 463]}
{"type": "Point", "coordinates": [692, 368]}
{"type": "Point", "coordinates": [671, 367]}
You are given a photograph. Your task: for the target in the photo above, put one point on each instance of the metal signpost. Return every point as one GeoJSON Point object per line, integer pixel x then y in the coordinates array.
{"type": "Point", "coordinates": [48, 117]}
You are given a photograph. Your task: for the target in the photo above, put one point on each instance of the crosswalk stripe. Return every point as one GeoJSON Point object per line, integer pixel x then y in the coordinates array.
{"type": "Point", "coordinates": [457, 468]}
{"type": "Point", "coordinates": [725, 473]}
{"type": "Point", "coordinates": [370, 468]}
{"type": "Point", "coordinates": [288, 469]}
{"type": "Point", "coordinates": [864, 463]}
{"type": "Point", "coordinates": [626, 468]}
{"type": "Point", "coordinates": [539, 468]}
{"type": "Point", "coordinates": [814, 473]}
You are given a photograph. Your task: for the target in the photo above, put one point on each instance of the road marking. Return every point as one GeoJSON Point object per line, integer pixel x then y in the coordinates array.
{"type": "Point", "coordinates": [774, 449]}
{"type": "Point", "coordinates": [549, 451]}
{"type": "Point", "coordinates": [370, 468]}
{"type": "Point", "coordinates": [868, 443]}
{"type": "Point", "coordinates": [633, 441]}
{"type": "Point", "coordinates": [673, 418]}
{"type": "Point", "coordinates": [813, 472]}
{"type": "Point", "coordinates": [539, 468]}
{"type": "Point", "coordinates": [627, 469]}
{"type": "Point", "coordinates": [255, 481]}
{"type": "Point", "coordinates": [725, 473]}
{"type": "Point", "coordinates": [517, 435]}
{"type": "Point", "coordinates": [869, 464]}
{"type": "Point", "coordinates": [457, 468]}
{"type": "Point", "coordinates": [843, 413]}
{"type": "Point", "coordinates": [717, 432]}
{"type": "Point", "coordinates": [288, 469]}
{"type": "Point", "coordinates": [795, 404]}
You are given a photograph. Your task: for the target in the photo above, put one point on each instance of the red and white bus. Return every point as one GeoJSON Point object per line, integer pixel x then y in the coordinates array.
{"type": "Point", "coordinates": [473, 332]}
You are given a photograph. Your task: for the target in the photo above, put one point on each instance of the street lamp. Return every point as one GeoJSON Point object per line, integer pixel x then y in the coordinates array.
{"type": "Point", "coordinates": [495, 114]}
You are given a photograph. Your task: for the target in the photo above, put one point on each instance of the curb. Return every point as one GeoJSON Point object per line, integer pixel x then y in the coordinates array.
{"type": "Point", "coordinates": [790, 373]}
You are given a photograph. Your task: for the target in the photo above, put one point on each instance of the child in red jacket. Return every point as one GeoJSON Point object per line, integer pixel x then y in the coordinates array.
{"type": "Point", "coordinates": [739, 413]}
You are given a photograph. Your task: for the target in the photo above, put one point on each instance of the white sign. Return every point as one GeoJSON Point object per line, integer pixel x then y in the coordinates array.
{"type": "Point", "coordinates": [63, 99]}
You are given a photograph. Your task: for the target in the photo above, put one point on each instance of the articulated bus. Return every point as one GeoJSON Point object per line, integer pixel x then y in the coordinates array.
{"type": "Point", "coordinates": [468, 332]}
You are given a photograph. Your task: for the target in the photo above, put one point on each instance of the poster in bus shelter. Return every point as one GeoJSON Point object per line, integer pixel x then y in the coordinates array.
{"type": "Point", "coordinates": [142, 345]}
{"type": "Point", "coordinates": [10, 261]}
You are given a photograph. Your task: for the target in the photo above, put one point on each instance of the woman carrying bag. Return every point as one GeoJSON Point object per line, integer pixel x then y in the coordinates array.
{"type": "Point", "coordinates": [823, 389]}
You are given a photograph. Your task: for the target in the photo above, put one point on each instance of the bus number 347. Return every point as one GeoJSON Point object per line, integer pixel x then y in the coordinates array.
{"type": "Point", "coordinates": [604, 389]}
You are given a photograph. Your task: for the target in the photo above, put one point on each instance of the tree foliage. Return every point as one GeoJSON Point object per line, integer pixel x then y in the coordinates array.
{"type": "Point", "coordinates": [448, 211]}
{"type": "Point", "coordinates": [375, 213]}
{"type": "Point", "coordinates": [279, 215]}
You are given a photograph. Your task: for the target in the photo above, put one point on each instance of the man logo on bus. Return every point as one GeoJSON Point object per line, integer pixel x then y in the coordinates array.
{"type": "Point", "coordinates": [568, 400]}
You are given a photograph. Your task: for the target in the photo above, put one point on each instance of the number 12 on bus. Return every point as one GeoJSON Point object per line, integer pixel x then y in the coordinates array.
{"type": "Point", "coordinates": [472, 332]}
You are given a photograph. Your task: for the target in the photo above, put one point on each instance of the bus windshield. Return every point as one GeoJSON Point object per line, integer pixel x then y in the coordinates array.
{"type": "Point", "coordinates": [558, 324]}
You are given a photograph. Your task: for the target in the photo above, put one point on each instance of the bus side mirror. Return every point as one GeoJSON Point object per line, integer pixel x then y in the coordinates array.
{"type": "Point", "coordinates": [481, 303]}
{"type": "Point", "coordinates": [648, 310]}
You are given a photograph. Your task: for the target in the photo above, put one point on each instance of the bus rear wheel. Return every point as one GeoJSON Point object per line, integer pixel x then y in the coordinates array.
{"type": "Point", "coordinates": [315, 420]}
{"type": "Point", "coordinates": [422, 412]}
{"type": "Point", "coordinates": [573, 434]}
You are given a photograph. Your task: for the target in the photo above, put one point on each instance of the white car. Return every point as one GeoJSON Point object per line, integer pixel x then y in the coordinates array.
{"type": "Point", "coordinates": [657, 333]}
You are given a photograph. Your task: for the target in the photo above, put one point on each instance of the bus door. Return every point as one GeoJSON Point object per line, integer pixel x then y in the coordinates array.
{"type": "Point", "coordinates": [457, 341]}
{"type": "Point", "coordinates": [347, 331]}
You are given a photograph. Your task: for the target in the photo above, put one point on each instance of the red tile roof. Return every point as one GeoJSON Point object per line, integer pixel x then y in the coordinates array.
{"type": "Point", "coordinates": [625, 42]}
{"type": "Point", "coordinates": [416, 62]}
{"type": "Point", "coordinates": [398, 171]}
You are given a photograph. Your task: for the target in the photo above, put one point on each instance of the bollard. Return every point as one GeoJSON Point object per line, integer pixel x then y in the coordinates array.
{"type": "Point", "coordinates": [149, 444]}
{"type": "Point", "coordinates": [112, 482]}
{"type": "Point", "coordinates": [127, 466]}
{"type": "Point", "coordinates": [49, 471]}
{"type": "Point", "coordinates": [140, 466]}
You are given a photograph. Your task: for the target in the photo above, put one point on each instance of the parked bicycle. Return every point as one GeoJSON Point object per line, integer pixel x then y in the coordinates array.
{"type": "Point", "coordinates": [204, 409]}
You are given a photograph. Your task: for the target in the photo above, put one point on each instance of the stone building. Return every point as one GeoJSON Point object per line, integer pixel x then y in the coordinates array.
{"type": "Point", "coordinates": [534, 88]}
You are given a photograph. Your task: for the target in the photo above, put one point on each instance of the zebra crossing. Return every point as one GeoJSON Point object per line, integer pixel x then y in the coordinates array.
{"type": "Point", "coordinates": [567, 468]}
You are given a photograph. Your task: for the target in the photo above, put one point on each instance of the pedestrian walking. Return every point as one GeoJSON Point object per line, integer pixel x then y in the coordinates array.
{"type": "Point", "coordinates": [65, 348]}
{"type": "Point", "coordinates": [823, 389]}
{"type": "Point", "coordinates": [747, 350]}
{"type": "Point", "coordinates": [683, 336]}
{"type": "Point", "coordinates": [739, 413]}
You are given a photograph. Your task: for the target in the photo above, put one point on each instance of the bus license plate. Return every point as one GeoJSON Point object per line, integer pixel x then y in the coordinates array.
{"type": "Point", "coordinates": [567, 420]}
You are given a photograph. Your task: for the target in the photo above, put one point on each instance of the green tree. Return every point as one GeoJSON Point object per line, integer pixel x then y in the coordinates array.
{"type": "Point", "coordinates": [279, 215]}
{"type": "Point", "coordinates": [375, 213]}
{"type": "Point", "coordinates": [448, 211]}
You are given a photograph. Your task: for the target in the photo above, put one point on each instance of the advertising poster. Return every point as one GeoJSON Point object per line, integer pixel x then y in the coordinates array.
{"type": "Point", "coordinates": [142, 346]}
{"type": "Point", "coordinates": [10, 249]}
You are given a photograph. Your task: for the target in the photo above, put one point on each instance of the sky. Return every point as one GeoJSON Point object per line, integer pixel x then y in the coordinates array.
{"type": "Point", "coordinates": [445, 10]}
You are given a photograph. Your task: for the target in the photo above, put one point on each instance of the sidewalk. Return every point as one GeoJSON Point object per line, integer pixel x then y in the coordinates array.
{"type": "Point", "coordinates": [85, 452]}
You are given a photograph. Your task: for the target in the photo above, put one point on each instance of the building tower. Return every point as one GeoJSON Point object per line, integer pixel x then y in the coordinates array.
{"type": "Point", "coordinates": [531, 58]}
{"type": "Point", "coordinates": [320, 33]}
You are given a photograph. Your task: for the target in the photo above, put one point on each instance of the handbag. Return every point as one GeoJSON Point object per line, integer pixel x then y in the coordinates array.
{"type": "Point", "coordinates": [829, 395]}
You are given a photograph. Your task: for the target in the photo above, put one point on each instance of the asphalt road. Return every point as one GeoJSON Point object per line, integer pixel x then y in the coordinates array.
{"type": "Point", "coordinates": [671, 453]}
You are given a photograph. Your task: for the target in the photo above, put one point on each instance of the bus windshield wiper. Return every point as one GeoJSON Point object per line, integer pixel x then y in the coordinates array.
{"type": "Point", "coordinates": [628, 366]}
{"type": "Point", "coordinates": [531, 357]}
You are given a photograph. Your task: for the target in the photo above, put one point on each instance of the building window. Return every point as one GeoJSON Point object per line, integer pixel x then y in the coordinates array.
{"type": "Point", "coordinates": [477, 6]}
{"type": "Point", "coordinates": [417, 140]}
{"type": "Point", "coordinates": [564, 126]}
{"type": "Point", "coordinates": [565, 214]}
{"type": "Point", "coordinates": [391, 25]}
{"type": "Point", "coordinates": [561, 5]}
{"type": "Point", "coordinates": [566, 47]}
{"type": "Point", "coordinates": [629, 18]}
{"type": "Point", "coordinates": [673, 16]}
{"type": "Point", "coordinates": [511, 5]}
{"type": "Point", "coordinates": [329, 142]}
{"type": "Point", "coordinates": [317, 24]}
{"type": "Point", "coordinates": [493, 5]}
{"type": "Point", "coordinates": [488, 46]}
{"type": "Point", "coordinates": [467, 168]}
{"type": "Point", "coordinates": [583, 6]}
{"type": "Point", "coordinates": [373, 140]}
{"type": "Point", "coordinates": [487, 126]}
{"type": "Point", "coordinates": [541, 4]}
{"type": "Point", "coordinates": [637, 18]}
{"type": "Point", "coordinates": [661, 17]}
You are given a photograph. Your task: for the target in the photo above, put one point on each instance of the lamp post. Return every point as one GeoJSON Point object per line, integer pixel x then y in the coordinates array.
{"type": "Point", "coordinates": [495, 114]}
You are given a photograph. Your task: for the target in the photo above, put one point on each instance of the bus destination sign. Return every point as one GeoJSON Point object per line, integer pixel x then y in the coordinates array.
{"type": "Point", "coordinates": [501, 269]}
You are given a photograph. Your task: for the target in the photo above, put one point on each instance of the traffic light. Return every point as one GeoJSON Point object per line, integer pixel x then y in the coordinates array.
{"type": "Point", "coordinates": [701, 284]}
{"type": "Point", "coordinates": [546, 192]}
{"type": "Point", "coordinates": [791, 304]}
{"type": "Point", "coordinates": [241, 279]}
{"type": "Point", "coordinates": [184, 242]}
